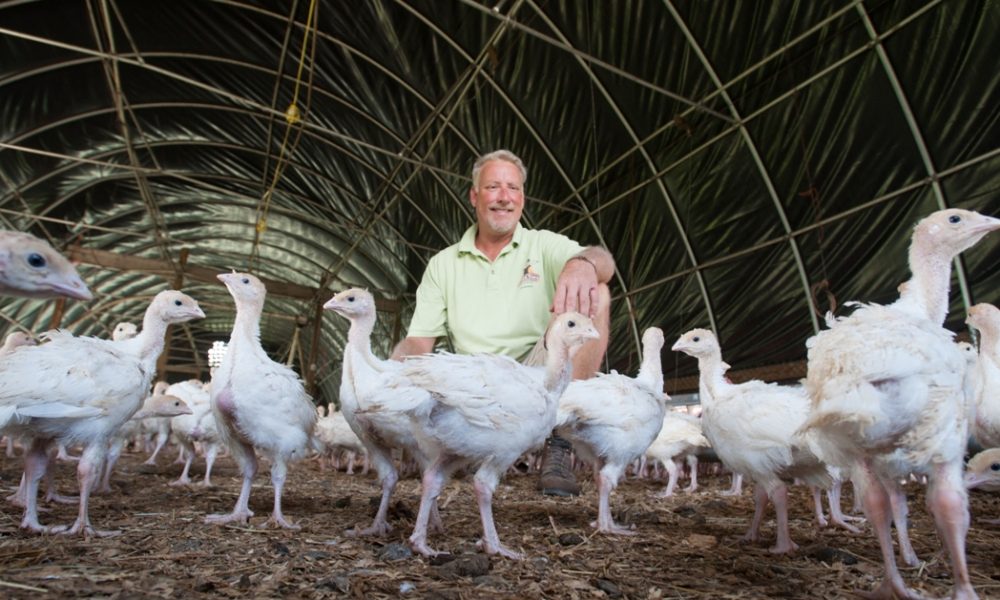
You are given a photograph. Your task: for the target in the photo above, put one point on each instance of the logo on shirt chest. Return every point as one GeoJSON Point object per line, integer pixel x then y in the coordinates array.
{"type": "Point", "coordinates": [529, 275]}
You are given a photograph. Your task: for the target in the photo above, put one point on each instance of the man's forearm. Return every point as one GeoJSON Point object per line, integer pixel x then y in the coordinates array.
{"type": "Point", "coordinates": [411, 346]}
{"type": "Point", "coordinates": [604, 263]}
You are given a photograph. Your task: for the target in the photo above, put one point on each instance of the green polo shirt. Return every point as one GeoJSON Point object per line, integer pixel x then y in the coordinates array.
{"type": "Point", "coordinates": [500, 307]}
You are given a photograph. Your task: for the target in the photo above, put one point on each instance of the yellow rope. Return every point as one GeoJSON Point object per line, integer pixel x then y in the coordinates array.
{"type": "Point", "coordinates": [292, 116]}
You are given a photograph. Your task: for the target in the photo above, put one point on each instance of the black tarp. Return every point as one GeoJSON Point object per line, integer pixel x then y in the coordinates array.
{"type": "Point", "coordinates": [746, 162]}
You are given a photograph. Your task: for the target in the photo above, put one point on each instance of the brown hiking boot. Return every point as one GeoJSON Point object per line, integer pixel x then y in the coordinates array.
{"type": "Point", "coordinates": [557, 478]}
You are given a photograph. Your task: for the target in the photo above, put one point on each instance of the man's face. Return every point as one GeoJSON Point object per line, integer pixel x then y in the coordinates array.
{"type": "Point", "coordinates": [499, 197]}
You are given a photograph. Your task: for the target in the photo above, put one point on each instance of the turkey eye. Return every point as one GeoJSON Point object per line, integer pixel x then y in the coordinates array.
{"type": "Point", "coordinates": [571, 324]}
{"type": "Point", "coordinates": [178, 302]}
{"type": "Point", "coordinates": [350, 298]}
{"type": "Point", "coordinates": [36, 260]}
{"type": "Point", "coordinates": [696, 339]}
{"type": "Point", "coordinates": [245, 280]}
{"type": "Point", "coordinates": [995, 467]}
{"type": "Point", "coordinates": [954, 219]}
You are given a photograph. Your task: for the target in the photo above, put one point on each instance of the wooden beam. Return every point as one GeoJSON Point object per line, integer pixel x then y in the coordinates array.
{"type": "Point", "coordinates": [119, 262]}
{"type": "Point", "coordinates": [57, 313]}
{"type": "Point", "coordinates": [310, 366]}
{"type": "Point", "coordinates": [161, 362]}
{"type": "Point", "coordinates": [397, 330]}
{"type": "Point", "coordinates": [194, 370]}
{"type": "Point", "coordinates": [681, 385]}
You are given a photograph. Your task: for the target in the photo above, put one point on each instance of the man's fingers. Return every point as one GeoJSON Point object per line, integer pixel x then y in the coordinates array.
{"type": "Point", "coordinates": [593, 303]}
{"type": "Point", "coordinates": [586, 301]}
{"type": "Point", "coordinates": [559, 300]}
{"type": "Point", "coordinates": [572, 299]}
{"type": "Point", "coordinates": [571, 295]}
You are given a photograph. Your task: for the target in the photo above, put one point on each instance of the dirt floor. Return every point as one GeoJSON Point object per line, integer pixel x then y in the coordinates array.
{"type": "Point", "coordinates": [687, 546]}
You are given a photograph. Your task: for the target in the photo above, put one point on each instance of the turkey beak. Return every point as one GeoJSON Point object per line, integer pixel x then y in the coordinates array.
{"type": "Point", "coordinates": [331, 304]}
{"type": "Point", "coordinates": [196, 312]}
{"type": "Point", "coordinates": [678, 346]}
{"type": "Point", "coordinates": [973, 480]}
{"type": "Point", "coordinates": [73, 287]}
{"type": "Point", "coordinates": [987, 225]}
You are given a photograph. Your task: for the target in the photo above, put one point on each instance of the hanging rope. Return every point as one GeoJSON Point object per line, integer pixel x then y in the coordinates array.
{"type": "Point", "coordinates": [293, 116]}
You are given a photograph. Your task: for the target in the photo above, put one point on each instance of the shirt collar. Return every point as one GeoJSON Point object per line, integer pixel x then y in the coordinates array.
{"type": "Point", "coordinates": [467, 245]}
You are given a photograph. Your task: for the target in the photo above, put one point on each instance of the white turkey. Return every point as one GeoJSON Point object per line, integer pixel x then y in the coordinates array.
{"type": "Point", "coordinates": [611, 419]}
{"type": "Point", "coordinates": [258, 404]}
{"type": "Point", "coordinates": [162, 406]}
{"type": "Point", "coordinates": [335, 436]}
{"type": "Point", "coordinates": [736, 484]}
{"type": "Point", "coordinates": [364, 386]}
{"type": "Point", "coordinates": [94, 386]}
{"type": "Point", "coordinates": [124, 331]}
{"type": "Point", "coordinates": [31, 268]}
{"type": "Point", "coordinates": [15, 340]}
{"type": "Point", "coordinates": [983, 471]}
{"type": "Point", "coordinates": [157, 429]}
{"type": "Point", "coordinates": [679, 436]}
{"type": "Point", "coordinates": [971, 381]}
{"type": "Point", "coordinates": [985, 318]}
{"type": "Point", "coordinates": [887, 388]}
{"type": "Point", "coordinates": [483, 411]}
{"type": "Point", "coordinates": [752, 428]}
{"type": "Point", "coordinates": [199, 427]}
{"type": "Point", "coordinates": [12, 342]}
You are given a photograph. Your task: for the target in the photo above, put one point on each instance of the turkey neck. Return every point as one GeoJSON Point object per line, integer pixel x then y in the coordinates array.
{"type": "Point", "coordinates": [931, 280]}
{"type": "Point", "coordinates": [558, 369]}
{"type": "Point", "coordinates": [711, 375]}
{"type": "Point", "coordinates": [246, 328]}
{"type": "Point", "coordinates": [359, 335]}
{"type": "Point", "coordinates": [651, 370]}
{"type": "Point", "coordinates": [151, 339]}
{"type": "Point", "coordinates": [359, 341]}
{"type": "Point", "coordinates": [989, 344]}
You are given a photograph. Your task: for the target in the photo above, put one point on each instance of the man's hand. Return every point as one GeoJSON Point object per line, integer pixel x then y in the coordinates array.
{"type": "Point", "coordinates": [576, 288]}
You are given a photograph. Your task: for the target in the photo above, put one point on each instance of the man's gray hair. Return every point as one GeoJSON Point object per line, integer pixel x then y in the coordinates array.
{"type": "Point", "coordinates": [505, 155]}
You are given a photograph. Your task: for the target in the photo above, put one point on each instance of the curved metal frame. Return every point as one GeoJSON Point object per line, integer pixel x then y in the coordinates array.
{"type": "Point", "coordinates": [765, 176]}
{"type": "Point", "coordinates": [918, 140]}
{"type": "Point", "coordinates": [386, 165]}
{"type": "Point", "coordinates": [667, 198]}
{"type": "Point", "coordinates": [200, 181]}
